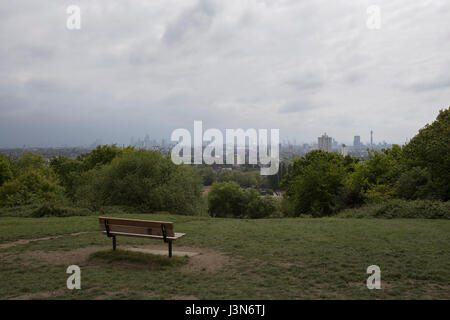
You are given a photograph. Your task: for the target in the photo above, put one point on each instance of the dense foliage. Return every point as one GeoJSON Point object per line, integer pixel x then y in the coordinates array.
{"type": "Point", "coordinates": [399, 208]}
{"type": "Point", "coordinates": [228, 199]}
{"type": "Point", "coordinates": [404, 181]}
{"type": "Point", "coordinates": [108, 175]}
{"type": "Point", "coordinates": [27, 180]}
{"type": "Point", "coordinates": [321, 183]}
{"type": "Point", "coordinates": [143, 179]}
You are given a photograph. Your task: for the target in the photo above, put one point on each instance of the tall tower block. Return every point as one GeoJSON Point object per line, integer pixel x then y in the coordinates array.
{"type": "Point", "coordinates": [371, 138]}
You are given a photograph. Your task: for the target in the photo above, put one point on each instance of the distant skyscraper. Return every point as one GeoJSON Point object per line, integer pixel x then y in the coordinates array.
{"type": "Point", "coordinates": [371, 138]}
{"type": "Point", "coordinates": [147, 142]}
{"type": "Point", "coordinates": [344, 150]}
{"type": "Point", "coordinates": [325, 143]}
{"type": "Point", "coordinates": [357, 141]}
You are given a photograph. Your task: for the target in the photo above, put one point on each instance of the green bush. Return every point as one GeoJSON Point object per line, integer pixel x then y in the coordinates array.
{"type": "Point", "coordinates": [228, 199]}
{"type": "Point", "coordinates": [19, 211]}
{"type": "Point", "coordinates": [422, 209]}
{"type": "Point", "coordinates": [258, 206]}
{"type": "Point", "coordinates": [246, 179]}
{"type": "Point", "coordinates": [209, 176]}
{"type": "Point", "coordinates": [142, 179]}
{"type": "Point", "coordinates": [29, 187]}
{"type": "Point", "coordinates": [5, 170]}
{"type": "Point", "coordinates": [45, 209]}
{"type": "Point", "coordinates": [316, 182]}
{"type": "Point", "coordinates": [414, 183]}
{"type": "Point", "coordinates": [50, 209]}
{"type": "Point", "coordinates": [430, 150]}
{"type": "Point", "coordinates": [102, 155]}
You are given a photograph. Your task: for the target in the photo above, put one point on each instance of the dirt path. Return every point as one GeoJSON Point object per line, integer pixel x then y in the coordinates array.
{"type": "Point", "coordinates": [26, 241]}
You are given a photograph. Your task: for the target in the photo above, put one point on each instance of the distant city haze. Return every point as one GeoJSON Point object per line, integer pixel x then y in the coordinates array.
{"type": "Point", "coordinates": [138, 68]}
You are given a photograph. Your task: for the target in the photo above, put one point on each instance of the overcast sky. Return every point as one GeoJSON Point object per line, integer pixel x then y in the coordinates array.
{"type": "Point", "coordinates": [151, 66]}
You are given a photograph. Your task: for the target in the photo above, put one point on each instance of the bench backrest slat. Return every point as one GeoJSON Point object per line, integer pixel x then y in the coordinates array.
{"type": "Point", "coordinates": [136, 226]}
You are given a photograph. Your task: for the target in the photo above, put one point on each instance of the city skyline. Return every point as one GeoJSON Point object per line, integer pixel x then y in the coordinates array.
{"type": "Point", "coordinates": [304, 67]}
{"type": "Point", "coordinates": [148, 140]}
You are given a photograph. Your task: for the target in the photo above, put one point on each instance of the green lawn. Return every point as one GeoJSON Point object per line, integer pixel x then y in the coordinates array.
{"type": "Point", "coordinates": [259, 259]}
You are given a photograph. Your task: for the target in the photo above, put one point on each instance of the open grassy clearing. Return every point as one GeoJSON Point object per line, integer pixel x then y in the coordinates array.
{"type": "Point", "coordinates": [240, 259]}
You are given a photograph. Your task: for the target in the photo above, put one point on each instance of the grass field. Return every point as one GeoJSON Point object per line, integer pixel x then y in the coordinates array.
{"type": "Point", "coordinates": [239, 259]}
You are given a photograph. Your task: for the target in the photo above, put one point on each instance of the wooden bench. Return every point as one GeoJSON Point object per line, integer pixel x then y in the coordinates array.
{"type": "Point", "coordinates": [114, 227]}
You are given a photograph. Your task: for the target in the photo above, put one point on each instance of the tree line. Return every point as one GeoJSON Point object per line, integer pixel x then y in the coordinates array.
{"type": "Point", "coordinates": [317, 184]}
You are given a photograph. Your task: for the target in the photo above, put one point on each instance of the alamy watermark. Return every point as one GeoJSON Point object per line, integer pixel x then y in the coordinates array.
{"type": "Point", "coordinates": [74, 19]}
{"type": "Point", "coordinates": [373, 17]}
{"type": "Point", "coordinates": [374, 280]}
{"type": "Point", "coordinates": [74, 280]}
{"type": "Point", "coordinates": [260, 150]}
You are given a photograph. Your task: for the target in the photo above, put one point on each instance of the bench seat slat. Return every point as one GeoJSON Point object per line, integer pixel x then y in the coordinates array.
{"type": "Point", "coordinates": [135, 230]}
{"type": "Point", "coordinates": [138, 223]}
{"type": "Point", "coordinates": [116, 233]}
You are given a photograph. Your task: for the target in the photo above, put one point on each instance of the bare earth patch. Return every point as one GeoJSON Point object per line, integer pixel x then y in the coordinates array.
{"type": "Point", "coordinates": [26, 241]}
{"type": "Point", "coordinates": [163, 252]}
{"type": "Point", "coordinates": [39, 295]}
{"type": "Point", "coordinates": [363, 284]}
{"type": "Point", "coordinates": [200, 259]}
{"type": "Point", "coordinates": [183, 298]}
{"type": "Point", "coordinates": [76, 256]}
{"type": "Point", "coordinates": [289, 264]}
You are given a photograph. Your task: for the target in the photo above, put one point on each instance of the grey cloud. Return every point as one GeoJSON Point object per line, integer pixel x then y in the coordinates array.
{"type": "Point", "coordinates": [305, 84]}
{"type": "Point", "coordinates": [437, 84]}
{"type": "Point", "coordinates": [295, 106]}
{"type": "Point", "coordinates": [194, 20]}
{"type": "Point", "coordinates": [141, 67]}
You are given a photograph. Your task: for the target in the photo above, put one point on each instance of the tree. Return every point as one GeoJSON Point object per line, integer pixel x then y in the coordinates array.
{"type": "Point", "coordinates": [244, 179]}
{"type": "Point", "coordinates": [31, 181]}
{"type": "Point", "coordinates": [226, 199]}
{"type": "Point", "coordinates": [258, 206]}
{"type": "Point", "coordinates": [374, 180]}
{"type": "Point", "coordinates": [102, 155]}
{"type": "Point", "coordinates": [28, 161]}
{"type": "Point", "coordinates": [430, 150]}
{"type": "Point", "coordinates": [67, 170]}
{"type": "Point", "coordinates": [208, 175]}
{"type": "Point", "coordinates": [143, 179]}
{"type": "Point", "coordinates": [275, 179]}
{"type": "Point", "coordinates": [414, 184]}
{"type": "Point", "coordinates": [315, 183]}
{"type": "Point", "coordinates": [5, 170]}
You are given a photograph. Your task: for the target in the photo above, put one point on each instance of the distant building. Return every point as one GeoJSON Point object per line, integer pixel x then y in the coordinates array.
{"type": "Point", "coordinates": [344, 150]}
{"type": "Point", "coordinates": [371, 138]}
{"type": "Point", "coordinates": [357, 141]}
{"type": "Point", "coordinates": [325, 143]}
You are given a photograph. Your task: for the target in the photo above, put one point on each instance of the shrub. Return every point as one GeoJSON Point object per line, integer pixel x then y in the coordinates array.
{"type": "Point", "coordinates": [244, 179]}
{"type": "Point", "coordinates": [51, 209]}
{"type": "Point", "coordinates": [102, 155]}
{"type": "Point", "coordinates": [425, 209]}
{"type": "Point", "coordinates": [414, 184]}
{"type": "Point", "coordinates": [430, 149]}
{"type": "Point", "coordinates": [208, 175]}
{"type": "Point", "coordinates": [30, 187]}
{"type": "Point", "coordinates": [315, 183]}
{"type": "Point", "coordinates": [5, 170]}
{"type": "Point", "coordinates": [227, 199]}
{"type": "Point", "coordinates": [258, 206]}
{"type": "Point", "coordinates": [143, 179]}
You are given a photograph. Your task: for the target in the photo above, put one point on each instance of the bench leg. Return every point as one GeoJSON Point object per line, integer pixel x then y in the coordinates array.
{"type": "Point", "coordinates": [170, 249]}
{"type": "Point", "coordinates": [114, 242]}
